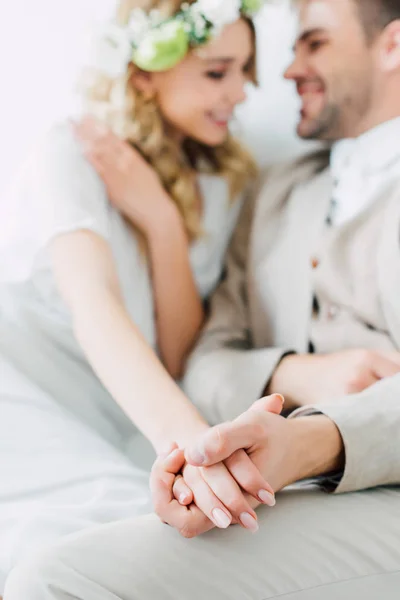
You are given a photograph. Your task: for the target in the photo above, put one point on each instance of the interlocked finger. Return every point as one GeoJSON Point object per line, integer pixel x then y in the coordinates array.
{"type": "Point", "coordinates": [182, 492]}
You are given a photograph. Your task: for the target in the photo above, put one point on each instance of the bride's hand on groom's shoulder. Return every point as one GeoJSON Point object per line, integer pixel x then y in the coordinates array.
{"type": "Point", "coordinates": [132, 184]}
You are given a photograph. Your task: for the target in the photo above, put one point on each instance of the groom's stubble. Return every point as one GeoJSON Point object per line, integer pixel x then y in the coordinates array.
{"type": "Point", "coordinates": [333, 69]}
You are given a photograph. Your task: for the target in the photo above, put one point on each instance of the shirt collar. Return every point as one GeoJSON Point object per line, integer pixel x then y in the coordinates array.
{"type": "Point", "coordinates": [372, 151]}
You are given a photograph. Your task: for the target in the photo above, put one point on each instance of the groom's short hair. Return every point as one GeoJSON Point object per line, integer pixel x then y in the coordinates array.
{"type": "Point", "coordinates": [377, 14]}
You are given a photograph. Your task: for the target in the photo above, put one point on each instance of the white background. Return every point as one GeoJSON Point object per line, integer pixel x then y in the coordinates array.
{"type": "Point", "coordinates": [40, 51]}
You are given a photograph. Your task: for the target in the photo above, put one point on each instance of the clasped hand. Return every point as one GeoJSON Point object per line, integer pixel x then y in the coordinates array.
{"type": "Point", "coordinates": [194, 498]}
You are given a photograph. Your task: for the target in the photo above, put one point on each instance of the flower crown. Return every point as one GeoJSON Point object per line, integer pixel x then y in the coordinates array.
{"type": "Point", "coordinates": [154, 43]}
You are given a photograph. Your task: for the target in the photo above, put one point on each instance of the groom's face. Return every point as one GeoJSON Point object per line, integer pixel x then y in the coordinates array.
{"type": "Point", "coordinates": [333, 69]}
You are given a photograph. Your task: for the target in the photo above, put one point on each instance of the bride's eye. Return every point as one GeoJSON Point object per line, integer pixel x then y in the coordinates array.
{"type": "Point", "coordinates": [218, 75]}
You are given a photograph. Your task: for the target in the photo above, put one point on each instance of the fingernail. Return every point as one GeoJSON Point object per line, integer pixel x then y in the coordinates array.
{"type": "Point", "coordinates": [171, 456]}
{"type": "Point", "coordinates": [197, 455]}
{"type": "Point", "coordinates": [182, 498]}
{"type": "Point", "coordinates": [174, 453]}
{"type": "Point", "coordinates": [282, 399]}
{"type": "Point", "coordinates": [267, 498]}
{"type": "Point", "coordinates": [221, 519]}
{"type": "Point", "coordinates": [249, 522]}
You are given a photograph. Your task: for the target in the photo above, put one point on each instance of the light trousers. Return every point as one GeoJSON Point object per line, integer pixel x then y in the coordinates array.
{"type": "Point", "coordinates": [311, 546]}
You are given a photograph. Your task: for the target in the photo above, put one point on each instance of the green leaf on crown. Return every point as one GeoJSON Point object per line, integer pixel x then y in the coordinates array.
{"type": "Point", "coordinates": [249, 7]}
{"type": "Point", "coordinates": [163, 47]}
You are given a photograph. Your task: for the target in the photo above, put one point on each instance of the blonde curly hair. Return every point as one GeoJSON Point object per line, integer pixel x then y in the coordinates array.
{"type": "Point", "coordinates": [137, 119]}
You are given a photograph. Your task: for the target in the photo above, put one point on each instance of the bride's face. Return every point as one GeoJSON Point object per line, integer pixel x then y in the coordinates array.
{"type": "Point", "coordinates": [197, 98]}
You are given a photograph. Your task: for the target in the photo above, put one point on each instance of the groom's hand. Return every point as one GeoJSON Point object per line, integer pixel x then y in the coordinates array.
{"type": "Point", "coordinates": [315, 378]}
{"type": "Point", "coordinates": [284, 450]}
{"type": "Point", "coordinates": [167, 487]}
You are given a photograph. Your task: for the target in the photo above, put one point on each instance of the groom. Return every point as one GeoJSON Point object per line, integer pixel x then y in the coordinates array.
{"type": "Point", "coordinates": [310, 308]}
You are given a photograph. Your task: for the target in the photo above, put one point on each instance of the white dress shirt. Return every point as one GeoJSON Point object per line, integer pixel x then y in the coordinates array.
{"type": "Point", "coordinates": [361, 166]}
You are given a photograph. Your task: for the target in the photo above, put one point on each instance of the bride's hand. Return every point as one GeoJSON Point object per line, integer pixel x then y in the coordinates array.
{"type": "Point", "coordinates": [245, 476]}
{"type": "Point", "coordinates": [209, 496]}
{"type": "Point", "coordinates": [132, 185]}
{"type": "Point", "coordinates": [189, 521]}
{"type": "Point", "coordinates": [214, 513]}
{"type": "Point", "coordinates": [227, 492]}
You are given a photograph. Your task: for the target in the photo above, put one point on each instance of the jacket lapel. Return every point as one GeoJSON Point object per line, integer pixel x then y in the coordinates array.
{"type": "Point", "coordinates": [281, 287]}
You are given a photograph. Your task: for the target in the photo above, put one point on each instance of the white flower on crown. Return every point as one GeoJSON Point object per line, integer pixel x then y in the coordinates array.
{"type": "Point", "coordinates": [110, 50]}
{"type": "Point", "coordinates": [113, 47]}
{"type": "Point", "coordinates": [140, 23]}
{"type": "Point", "coordinates": [219, 12]}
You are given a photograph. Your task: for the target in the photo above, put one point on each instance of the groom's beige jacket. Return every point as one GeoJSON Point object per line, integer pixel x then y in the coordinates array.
{"type": "Point", "coordinates": [263, 309]}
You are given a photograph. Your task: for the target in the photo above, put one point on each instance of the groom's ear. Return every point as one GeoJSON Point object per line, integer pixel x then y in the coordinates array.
{"type": "Point", "coordinates": [273, 404]}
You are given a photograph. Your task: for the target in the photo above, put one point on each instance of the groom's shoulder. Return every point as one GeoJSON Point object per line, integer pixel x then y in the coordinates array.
{"type": "Point", "coordinates": [275, 183]}
{"type": "Point", "coordinates": [296, 170]}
